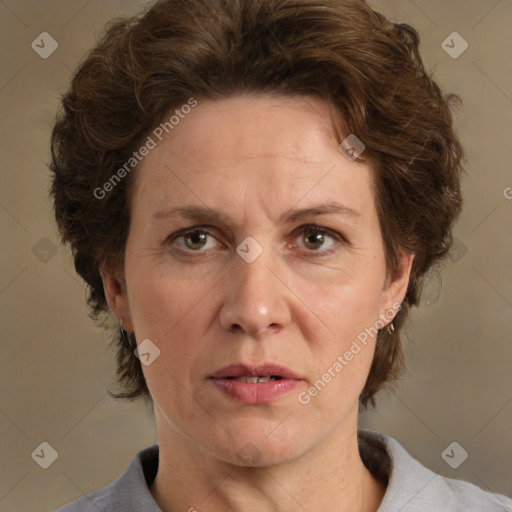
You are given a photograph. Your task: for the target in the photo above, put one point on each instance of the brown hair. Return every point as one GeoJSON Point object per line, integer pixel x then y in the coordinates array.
{"type": "Point", "coordinates": [366, 67]}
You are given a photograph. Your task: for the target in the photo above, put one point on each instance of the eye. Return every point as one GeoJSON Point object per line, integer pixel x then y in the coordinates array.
{"type": "Point", "coordinates": [317, 239]}
{"type": "Point", "coordinates": [195, 239]}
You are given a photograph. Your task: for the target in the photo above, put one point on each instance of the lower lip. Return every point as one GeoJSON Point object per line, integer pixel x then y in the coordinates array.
{"type": "Point", "coordinates": [258, 393]}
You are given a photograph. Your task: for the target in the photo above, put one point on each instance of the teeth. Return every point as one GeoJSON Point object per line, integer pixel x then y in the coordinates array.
{"type": "Point", "coordinates": [255, 380]}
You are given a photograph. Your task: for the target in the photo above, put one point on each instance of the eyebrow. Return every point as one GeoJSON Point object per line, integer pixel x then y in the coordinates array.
{"type": "Point", "coordinates": [333, 208]}
{"type": "Point", "coordinates": [203, 213]}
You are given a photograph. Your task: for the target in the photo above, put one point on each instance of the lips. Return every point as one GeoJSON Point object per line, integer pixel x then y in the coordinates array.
{"type": "Point", "coordinates": [266, 370]}
{"type": "Point", "coordinates": [255, 384]}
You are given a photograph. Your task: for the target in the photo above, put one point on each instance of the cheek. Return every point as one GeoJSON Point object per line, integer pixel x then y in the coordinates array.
{"type": "Point", "coordinates": [163, 303]}
{"type": "Point", "coordinates": [348, 307]}
{"type": "Point", "coordinates": [344, 300]}
{"type": "Point", "coordinates": [342, 359]}
{"type": "Point", "coordinates": [173, 315]}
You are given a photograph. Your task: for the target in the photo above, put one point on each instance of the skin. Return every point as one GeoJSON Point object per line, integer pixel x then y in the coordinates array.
{"type": "Point", "coordinates": [300, 304]}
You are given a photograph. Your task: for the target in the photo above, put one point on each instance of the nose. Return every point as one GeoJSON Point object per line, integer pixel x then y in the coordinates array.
{"type": "Point", "coordinates": [256, 300]}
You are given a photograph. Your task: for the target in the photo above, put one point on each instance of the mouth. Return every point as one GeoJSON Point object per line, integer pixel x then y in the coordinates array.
{"type": "Point", "coordinates": [255, 380]}
{"type": "Point", "coordinates": [263, 371]}
{"type": "Point", "coordinates": [255, 384]}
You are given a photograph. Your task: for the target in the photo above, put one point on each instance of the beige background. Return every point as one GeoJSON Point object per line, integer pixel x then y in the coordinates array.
{"type": "Point", "coordinates": [55, 363]}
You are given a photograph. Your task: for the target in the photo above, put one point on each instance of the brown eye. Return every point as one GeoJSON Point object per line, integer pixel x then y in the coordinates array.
{"type": "Point", "coordinates": [313, 240]}
{"type": "Point", "coordinates": [317, 239]}
{"type": "Point", "coordinates": [195, 240]}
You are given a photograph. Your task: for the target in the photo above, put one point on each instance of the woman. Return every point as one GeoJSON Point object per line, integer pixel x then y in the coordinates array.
{"type": "Point", "coordinates": [254, 189]}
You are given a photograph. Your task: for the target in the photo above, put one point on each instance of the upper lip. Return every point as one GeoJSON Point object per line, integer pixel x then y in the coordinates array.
{"type": "Point", "coordinates": [248, 370]}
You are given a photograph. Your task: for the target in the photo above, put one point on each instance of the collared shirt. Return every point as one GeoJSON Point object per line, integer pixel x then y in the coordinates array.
{"type": "Point", "coordinates": [411, 487]}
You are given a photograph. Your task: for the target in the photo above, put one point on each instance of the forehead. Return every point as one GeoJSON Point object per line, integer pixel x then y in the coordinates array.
{"type": "Point", "coordinates": [276, 149]}
{"type": "Point", "coordinates": [259, 127]}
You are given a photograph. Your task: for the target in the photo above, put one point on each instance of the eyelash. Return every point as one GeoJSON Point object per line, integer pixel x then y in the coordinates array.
{"type": "Point", "coordinates": [338, 239]}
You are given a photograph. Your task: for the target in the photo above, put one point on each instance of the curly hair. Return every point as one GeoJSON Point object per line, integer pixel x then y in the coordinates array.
{"type": "Point", "coordinates": [366, 67]}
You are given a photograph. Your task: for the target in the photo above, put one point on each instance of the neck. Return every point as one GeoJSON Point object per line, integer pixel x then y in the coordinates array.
{"type": "Point", "coordinates": [331, 476]}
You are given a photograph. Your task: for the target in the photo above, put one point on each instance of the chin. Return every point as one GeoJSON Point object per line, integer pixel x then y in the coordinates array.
{"type": "Point", "coordinates": [254, 444]}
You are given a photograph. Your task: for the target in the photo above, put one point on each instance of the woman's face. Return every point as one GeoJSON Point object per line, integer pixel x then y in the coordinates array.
{"type": "Point", "coordinates": [255, 250]}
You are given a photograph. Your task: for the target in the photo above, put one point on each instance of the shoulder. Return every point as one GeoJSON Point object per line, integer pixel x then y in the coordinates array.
{"type": "Point", "coordinates": [129, 493]}
{"type": "Point", "coordinates": [414, 488]}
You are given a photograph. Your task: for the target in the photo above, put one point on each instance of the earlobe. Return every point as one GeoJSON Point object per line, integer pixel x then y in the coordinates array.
{"type": "Point", "coordinates": [115, 293]}
{"type": "Point", "coordinates": [397, 285]}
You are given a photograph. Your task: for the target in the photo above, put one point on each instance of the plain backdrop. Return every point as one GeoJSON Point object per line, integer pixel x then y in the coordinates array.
{"type": "Point", "coordinates": [56, 365]}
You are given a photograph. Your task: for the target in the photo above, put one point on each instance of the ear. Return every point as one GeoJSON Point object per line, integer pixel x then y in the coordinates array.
{"type": "Point", "coordinates": [396, 286]}
{"type": "Point", "coordinates": [115, 293]}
